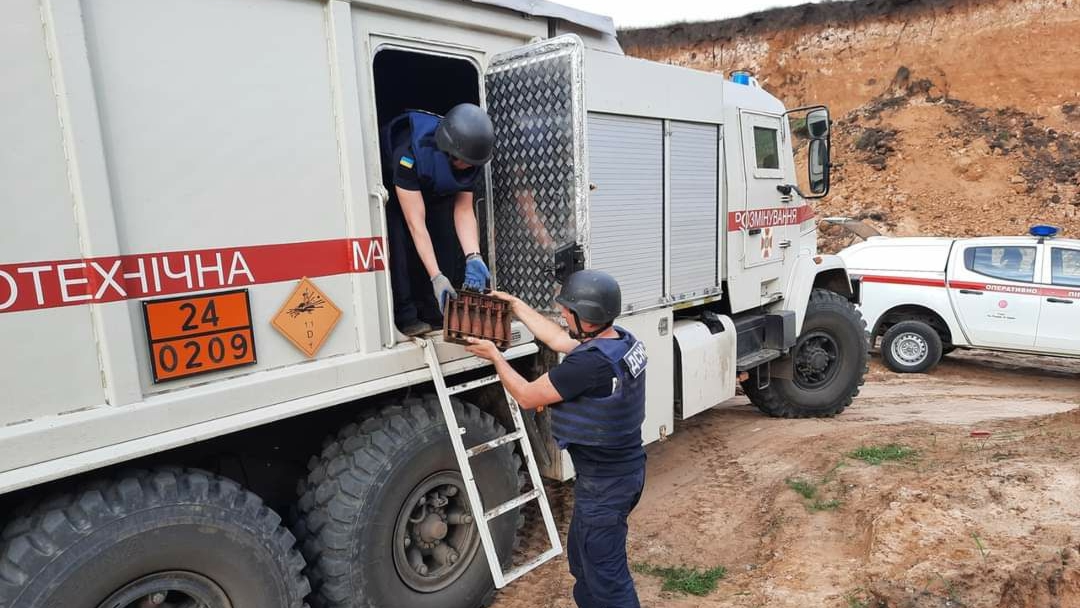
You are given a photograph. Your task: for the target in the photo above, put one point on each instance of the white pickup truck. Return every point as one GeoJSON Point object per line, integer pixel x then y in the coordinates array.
{"type": "Point", "coordinates": [928, 296]}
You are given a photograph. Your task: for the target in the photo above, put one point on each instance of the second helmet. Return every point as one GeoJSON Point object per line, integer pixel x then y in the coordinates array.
{"type": "Point", "coordinates": [592, 295]}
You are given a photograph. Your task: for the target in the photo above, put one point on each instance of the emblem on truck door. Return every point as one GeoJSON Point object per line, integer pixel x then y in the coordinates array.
{"type": "Point", "coordinates": [194, 335]}
{"type": "Point", "coordinates": [307, 317]}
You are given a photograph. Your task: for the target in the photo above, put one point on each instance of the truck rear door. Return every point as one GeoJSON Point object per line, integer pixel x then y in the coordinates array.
{"type": "Point", "coordinates": [993, 288]}
{"type": "Point", "coordinates": [1059, 331]}
{"type": "Point", "coordinates": [538, 181]}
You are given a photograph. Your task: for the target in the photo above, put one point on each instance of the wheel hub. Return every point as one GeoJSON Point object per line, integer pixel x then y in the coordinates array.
{"type": "Point", "coordinates": [436, 532]}
{"type": "Point", "coordinates": [174, 589]}
{"type": "Point", "coordinates": [910, 349]}
{"type": "Point", "coordinates": [433, 528]}
{"type": "Point", "coordinates": [816, 360]}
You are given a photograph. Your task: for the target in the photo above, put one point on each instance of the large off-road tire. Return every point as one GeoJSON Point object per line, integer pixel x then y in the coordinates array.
{"type": "Point", "coordinates": [166, 537]}
{"type": "Point", "coordinates": [825, 368]}
{"type": "Point", "coordinates": [393, 477]}
{"type": "Point", "coordinates": [911, 347]}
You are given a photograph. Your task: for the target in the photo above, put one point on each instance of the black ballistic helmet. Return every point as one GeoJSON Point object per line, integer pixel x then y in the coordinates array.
{"type": "Point", "coordinates": [466, 133]}
{"type": "Point", "coordinates": [593, 296]}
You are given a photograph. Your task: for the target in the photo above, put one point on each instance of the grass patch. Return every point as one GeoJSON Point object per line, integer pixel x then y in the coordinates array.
{"type": "Point", "coordinates": [694, 581]}
{"type": "Point", "coordinates": [860, 598]}
{"type": "Point", "coordinates": [982, 548]}
{"type": "Point", "coordinates": [813, 491]}
{"type": "Point", "coordinates": [825, 505]}
{"type": "Point", "coordinates": [947, 586]}
{"type": "Point", "coordinates": [878, 454]}
{"type": "Point", "coordinates": [806, 489]}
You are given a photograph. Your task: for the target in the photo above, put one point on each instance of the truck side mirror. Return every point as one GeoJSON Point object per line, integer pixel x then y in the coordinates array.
{"type": "Point", "coordinates": [810, 126]}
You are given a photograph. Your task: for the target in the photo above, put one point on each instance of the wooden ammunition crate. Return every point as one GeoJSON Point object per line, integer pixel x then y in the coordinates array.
{"type": "Point", "coordinates": [476, 315]}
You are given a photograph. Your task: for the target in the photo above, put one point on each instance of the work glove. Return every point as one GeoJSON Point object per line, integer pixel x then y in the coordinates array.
{"type": "Point", "coordinates": [443, 290]}
{"type": "Point", "coordinates": [477, 275]}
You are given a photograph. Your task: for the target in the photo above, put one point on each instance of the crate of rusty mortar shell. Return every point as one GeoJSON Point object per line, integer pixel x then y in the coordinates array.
{"type": "Point", "coordinates": [477, 315]}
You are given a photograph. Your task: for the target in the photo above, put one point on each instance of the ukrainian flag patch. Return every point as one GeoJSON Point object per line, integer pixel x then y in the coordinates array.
{"type": "Point", "coordinates": [407, 162]}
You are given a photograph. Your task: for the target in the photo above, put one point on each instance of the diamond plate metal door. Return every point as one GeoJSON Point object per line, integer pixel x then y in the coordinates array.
{"type": "Point", "coordinates": [539, 191]}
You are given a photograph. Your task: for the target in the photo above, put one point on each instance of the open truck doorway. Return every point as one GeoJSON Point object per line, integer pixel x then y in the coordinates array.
{"type": "Point", "coordinates": [419, 80]}
{"type": "Point", "coordinates": [411, 80]}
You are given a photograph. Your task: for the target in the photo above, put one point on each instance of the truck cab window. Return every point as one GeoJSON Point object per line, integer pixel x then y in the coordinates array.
{"type": "Point", "coordinates": [1065, 267]}
{"type": "Point", "coordinates": [1007, 263]}
{"type": "Point", "coordinates": [766, 148]}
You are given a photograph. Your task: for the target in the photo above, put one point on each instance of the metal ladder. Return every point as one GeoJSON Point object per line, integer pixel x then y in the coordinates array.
{"type": "Point", "coordinates": [463, 456]}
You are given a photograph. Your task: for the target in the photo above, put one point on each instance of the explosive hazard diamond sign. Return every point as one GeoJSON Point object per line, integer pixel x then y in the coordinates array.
{"type": "Point", "coordinates": [307, 317]}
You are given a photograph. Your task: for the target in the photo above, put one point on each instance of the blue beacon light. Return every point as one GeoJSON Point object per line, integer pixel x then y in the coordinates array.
{"type": "Point", "coordinates": [1043, 232]}
{"type": "Point", "coordinates": [740, 77]}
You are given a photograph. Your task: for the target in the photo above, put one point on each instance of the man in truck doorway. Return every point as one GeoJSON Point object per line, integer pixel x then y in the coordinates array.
{"type": "Point", "coordinates": [433, 163]}
{"type": "Point", "coordinates": [597, 396]}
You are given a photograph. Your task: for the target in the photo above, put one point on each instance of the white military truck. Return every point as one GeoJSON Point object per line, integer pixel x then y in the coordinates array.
{"type": "Point", "coordinates": [196, 316]}
{"type": "Point", "coordinates": [925, 297]}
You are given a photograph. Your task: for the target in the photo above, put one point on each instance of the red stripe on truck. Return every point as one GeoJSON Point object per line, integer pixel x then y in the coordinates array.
{"type": "Point", "coordinates": [904, 281]}
{"type": "Point", "coordinates": [1022, 290]}
{"type": "Point", "coordinates": [768, 218]}
{"type": "Point", "coordinates": [50, 284]}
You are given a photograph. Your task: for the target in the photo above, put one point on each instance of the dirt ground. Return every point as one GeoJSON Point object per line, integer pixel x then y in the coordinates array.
{"type": "Point", "coordinates": [984, 515]}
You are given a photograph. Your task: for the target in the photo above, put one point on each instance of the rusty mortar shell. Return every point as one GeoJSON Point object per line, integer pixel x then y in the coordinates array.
{"type": "Point", "coordinates": [500, 339]}
{"type": "Point", "coordinates": [489, 332]}
{"type": "Point", "coordinates": [474, 316]}
{"type": "Point", "coordinates": [465, 325]}
{"type": "Point", "coordinates": [451, 318]}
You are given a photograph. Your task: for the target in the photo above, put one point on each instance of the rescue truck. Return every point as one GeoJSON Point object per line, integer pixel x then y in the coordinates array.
{"type": "Point", "coordinates": [925, 297]}
{"type": "Point", "coordinates": [205, 400]}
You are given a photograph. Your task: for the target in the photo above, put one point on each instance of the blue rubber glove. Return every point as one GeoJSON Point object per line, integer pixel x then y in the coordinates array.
{"type": "Point", "coordinates": [477, 275]}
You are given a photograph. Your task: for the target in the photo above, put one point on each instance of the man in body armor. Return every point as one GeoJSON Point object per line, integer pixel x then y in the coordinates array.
{"type": "Point", "coordinates": [597, 396]}
{"type": "Point", "coordinates": [433, 163]}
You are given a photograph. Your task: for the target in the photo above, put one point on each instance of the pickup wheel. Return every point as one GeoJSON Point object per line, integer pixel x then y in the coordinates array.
{"type": "Point", "coordinates": [910, 347]}
{"type": "Point", "coordinates": [163, 537]}
{"type": "Point", "coordinates": [384, 517]}
{"type": "Point", "coordinates": [826, 367]}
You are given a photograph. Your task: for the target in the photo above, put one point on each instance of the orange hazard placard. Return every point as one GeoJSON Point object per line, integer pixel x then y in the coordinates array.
{"type": "Point", "coordinates": [199, 334]}
{"type": "Point", "coordinates": [307, 317]}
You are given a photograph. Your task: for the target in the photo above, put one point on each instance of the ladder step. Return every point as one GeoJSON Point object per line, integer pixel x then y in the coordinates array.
{"type": "Point", "coordinates": [468, 386]}
{"type": "Point", "coordinates": [510, 505]}
{"type": "Point", "coordinates": [532, 564]}
{"type": "Point", "coordinates": [494, 443]}
{"type": "Point", "coordinates": [472, 492]}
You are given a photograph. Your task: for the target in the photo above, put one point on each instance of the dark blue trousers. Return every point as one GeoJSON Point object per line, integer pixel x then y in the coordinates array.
{"type": "Point", "coordinates": [413, 297]}
{"type": "Point", "coordinates": [596, 544]}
